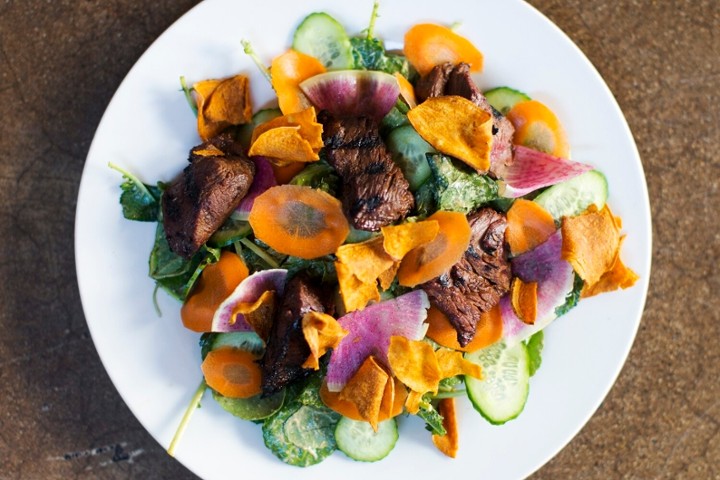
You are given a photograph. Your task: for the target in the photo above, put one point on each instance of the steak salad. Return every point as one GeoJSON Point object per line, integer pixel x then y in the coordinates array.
{"type": "Point", "coordinates": [388, 240]}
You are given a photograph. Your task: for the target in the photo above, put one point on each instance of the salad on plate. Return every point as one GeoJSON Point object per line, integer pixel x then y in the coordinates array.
{"type": "Point", "coordinates": [385, 241]}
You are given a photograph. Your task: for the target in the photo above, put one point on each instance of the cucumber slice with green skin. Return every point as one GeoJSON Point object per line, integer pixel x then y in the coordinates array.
{"type": "Point", "coordinates": [408, 151]}
{"type": "Point", "coordinates": [249, 341]}
{"type": "Point", "coordinates": [501, 395]}
{"type": "Point", "coordinates": [322, 37]}
{"type": "Point", "coordinates": [253, 408]}
{"type": "Point", "coordinates": [574, 196]}
{"type": "Point", "coordinates": [503, 99]}
{"type": "Point", "coordinates": [359, 441]}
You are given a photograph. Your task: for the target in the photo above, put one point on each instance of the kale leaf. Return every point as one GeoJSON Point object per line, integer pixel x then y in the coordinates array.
{"type": "Point", "coordinates": [369, 54]}
{"type": "Point", "coordinates": [572, 298]}
{"type": "Point", "coordinates": [534, 346]}
{"type": "Point", "coordinates": [425, 203]}
{"type": "Point", "coordinates": [457, 187]}
{"type": "Point", "coordinates": [139, 202]}
{"type": "Point", "coordinates": [319, 175]}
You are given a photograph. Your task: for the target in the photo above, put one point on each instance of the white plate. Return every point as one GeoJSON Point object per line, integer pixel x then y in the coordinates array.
{"type": "Point", "coordinates": [148, 129]}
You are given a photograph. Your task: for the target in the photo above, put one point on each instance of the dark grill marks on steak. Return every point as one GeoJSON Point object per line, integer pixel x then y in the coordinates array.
{"type": "Point", "coordinates": [448, 79]}
{"type": "Point", "coordinates": [287, 349]}
{"type": "Point", "coordinates": [475, 284]}
{"type": "Point", "coordinates": [199, 201]}
{"type": "Point", "coordinates": [375, 193]}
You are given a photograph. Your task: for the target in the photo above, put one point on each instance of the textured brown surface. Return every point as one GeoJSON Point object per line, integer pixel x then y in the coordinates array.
{"type": "Point", "coordinates": [60, 63]}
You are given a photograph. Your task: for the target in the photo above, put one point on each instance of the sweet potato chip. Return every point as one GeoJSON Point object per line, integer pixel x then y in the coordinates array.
{"type": "Point", "coordinates": [591, 243]}
{"type": "Point", "coordinates": [284, 144]}
{"type": "Point", "coordinates": [322, 332]}
{"type": "Point", "coordinates": [398, 240]}
{"type": "Point", "coordinates": [354, 292]}
{"type": "Point", "coordinates": [350, 410]}
{"type": "Point", "coordinates": [306, 119]}
{"type": "Point", "coordinates": [412, 402]}
{"type": "Point", "coordinates": [457, 127]}
{"type": "Point", "coordinates": [448, 443]}
{"type": "Point", "coordinates": [524, 299]}
{"type": "Point", "coordinates": [258, 314]}
{"type": "Point", "coordinates": [452, 363]}
{"type": "Point", "coordinates": [619, 276]}
{"type": "Point", "coordinates": [366, 390]}
{"type": "Point", "coordinates": [414, 363]}
{"type": "Point", "coordinates": [222, 103]}
{"type": "Point", "coordinates": [208, 151]}
{"type": "Point", "coordinates": [386, 278]}
{"type": "Point", "coordinates": [366, 260]}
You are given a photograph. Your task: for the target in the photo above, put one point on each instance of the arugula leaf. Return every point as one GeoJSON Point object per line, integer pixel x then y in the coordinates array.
{"type": "Point", "coordinates": [572, 298]}
{"type": "Point", "coordinates": [139, 202]}
{"type": "Point", "coordinates": [319, 175]}
{"type": "Point", "coordinates": [534, 346]}
{"type": "Point", "coordinates": [433, 419]}
{"type": "Point", "coordinates": [457, 188]}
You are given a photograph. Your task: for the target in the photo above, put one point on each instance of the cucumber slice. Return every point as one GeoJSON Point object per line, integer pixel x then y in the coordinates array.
{"type": "Point", "coordinates": [501, 395]}
{"type": "Point", "coordinates": [322, 37]}
{"type": "Point", "coordinates": [359, 441]}
{"type": "Point", "coordinates": [408, 151]}
{"type": "Point", "coordinates": [249, 341]}
{"type": "Point", "coordinates": [253, 408]}
{"type": "Point", "coordinates": [503, 99]}
{"type": "Point", "coordinates": [574, 196]}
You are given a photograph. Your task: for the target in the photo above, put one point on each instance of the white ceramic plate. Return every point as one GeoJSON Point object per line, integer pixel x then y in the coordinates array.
{"type": "Point", "coordinates": [148, 129]}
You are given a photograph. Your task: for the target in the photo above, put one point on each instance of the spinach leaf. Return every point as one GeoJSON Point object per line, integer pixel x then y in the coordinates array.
{"type": "Point", "coordinates": [139, 202]}
{"type": "Point", "coordinates": [534, 346]}
{"type": "Point", "coordinates": [319, 175]}
{"type": "Point", "coordinates": [302, 432]}
{"type": "Point", "coordinates": [572, 298]}
{"type": "Point", "coordinates": [322, 268]}
{"type": "Point", "coordinates": [433, 419]}
{"type": "Point", "coordinates": [457, 187]}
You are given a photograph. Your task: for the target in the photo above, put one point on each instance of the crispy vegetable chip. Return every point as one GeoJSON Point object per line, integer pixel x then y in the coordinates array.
{"type": "Point", "coordinates": [284, 144]}
{"type": "Point", "coordinates": [414, 363]}
{"type": "Point", "coordinates": [457, 127]}
{"type": "Point", "coordinates": [386, 278]}
{"type": "Point", "coordinates": [366, 260]}
{"type": "Point", "coordinates": [619, 276]}
{"type": "Point", "coordinates": [523, 298]}
{"type": "Point", "coordinates": [258, 314]}
{"type": "Point", "coordinates": [366, 389]}
{"type": "Point", "coordinates": [222, 103]}
{"type": "Point", "coordinates": [355, 294]}
{"type": "Point", "coordinates": [591, 243]}
{"type": "Point", "coordinates": [448, 443]}
{"type": "Point", "coordinates": [350, 410]}
{"type": "Point", "coordinates": [412, 403]}
{"type": "Point", "coordinates": [209, 151]}
{"type": "Point", "coordinates": [398, 240]}
{"type": "Point", "coordinates": [453, 363]}
{"type": "Point", "coordinates": [322, 332]}
{"type": "Point", "coordinates": [306, 119]}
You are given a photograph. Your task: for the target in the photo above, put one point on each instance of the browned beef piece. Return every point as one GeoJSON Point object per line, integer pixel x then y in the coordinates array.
{"type": "Point", "coordinates": [448, 79]}
{"type": "Point", "coordinates": [374, 193]}
{"type": "Point", "coordinates": [286, 348]}
{"type": "Point", "coordinates": [199, 201]}
{"type": "Point", "coordinates": [475, 284]}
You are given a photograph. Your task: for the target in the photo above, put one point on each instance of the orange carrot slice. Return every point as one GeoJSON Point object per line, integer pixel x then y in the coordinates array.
{"type": "Point", "coordinates": [528, 225]}
{"type": "Point", "coordinates": [432, 259]}
{"type": "Point", "coordinates": [428, 45]}
{"type": "Point", "coordinates": [288, 70]}
{"type": "Point", "coordinates": [216, 282]}
{"type": "Point", "coordinates": [537, 127]}
{"type": "Point", "coordinates": [448, 443]}
{"type": "Point", "coordinates": [285, 173]}
{"type": "Point", "coordinates": [232, 372]}
{"type": "Point", "coordinates": [407, 91]}
{"type": "Point", "coordinates": [489, 330]}
{"type": "Point", "coordinates": [299, 221]}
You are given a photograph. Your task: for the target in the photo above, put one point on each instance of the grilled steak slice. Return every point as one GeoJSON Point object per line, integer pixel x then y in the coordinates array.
{"type": "Point", "coordinates": [286, 348]}
{"type": "Point", "coordinates": [374, 193]}
{"type": "Point", "coordinates": [456, 80]}
{"type": "Point", "coordinates": [199, 201]}
{"type": "Point", "coordinates": [475, 284]}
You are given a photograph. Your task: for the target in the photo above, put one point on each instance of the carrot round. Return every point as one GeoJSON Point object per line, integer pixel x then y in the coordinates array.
{"type": "Point", "coordinates": [428, 45]}
{"type": "Point", "coordinates": [528, 225]}
{"type": "Point", "coordinates": [435, 258]}
{"type": "Point", "coordinates": [288, 70]}
{"type": "Point", "coordinates": [537, 127]}
{"type": "Point", "coordinates": [348, 409]}
{"type": "Point", "coordinates": [440, 330]}
{"type": "Point", "coordinates": [216, 282]}
{"type": "Point", "coordinates": [232, 372]}
{"type": "Point", "coordinates": [299, 221]}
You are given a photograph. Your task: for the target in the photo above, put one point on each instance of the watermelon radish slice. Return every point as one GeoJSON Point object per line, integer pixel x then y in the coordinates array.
{"type": "Point", "coordinates": [353, 93]}
{"type": "Point", "coordinates": [554, 276]}
{"type": "Point", "coordinates": [264, 179]}
{"type": "Point", "coordinates": [532, 169]}
{"type": "Point", "coordinates": [249, 290]}
{"type": "Point", "coordinates": [370, 331]}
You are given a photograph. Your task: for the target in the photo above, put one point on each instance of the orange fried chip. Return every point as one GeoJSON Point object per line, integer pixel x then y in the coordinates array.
{"type": "Point", "coordinates": [285, 144]}
{"type": "Point", "coordinates": [222, 103]}
{"type": "Point", "coordinates": [386, 278]}
{"type": "Point", "coordinates": [355, 293]}
{"type": "Point", "coordinates": [448, 443]}
{"type": "Point", "coordinates": [306, 119]}
{"type": "Point", "coordinates": [414, 363]}
{"type": "Point", "coordinates": [208, 151]}
{"type": "Point", "coordinates": [412, 402]}
{"type": "Point", "coordinates": [523, 298]}
{"type": "Point", "coordinates": [322, 332]}
{"type": "Point", "coordinates": [455, 126]}
{"type": "Point", "coordinates": [398, 240]}
{"type": "Point", "coordinates": [349, 409]}
{"type": "Point", "coordinates": [366, 389]}
{"type": "Point", "coordinates": [258, 314]}
{"type": "Point", "coordinates": [591, 243]}
{"type": "Point", "coordinates": [453, 363]}
{"type": "Point", "coordinates": [619, 276]}
{"type": "Point", "coordinates": [366, 260]}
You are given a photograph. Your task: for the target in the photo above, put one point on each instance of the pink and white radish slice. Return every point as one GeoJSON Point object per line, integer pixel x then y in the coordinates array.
{"type": "Point", "coordinates": [264, 179]}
